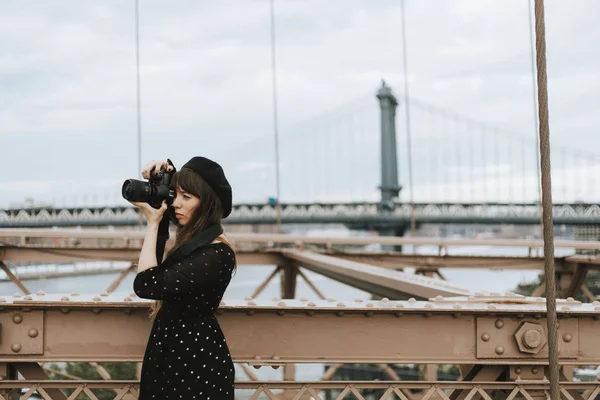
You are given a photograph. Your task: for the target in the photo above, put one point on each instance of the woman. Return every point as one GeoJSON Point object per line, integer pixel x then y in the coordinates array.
{"type": "Point", "coordinates": [187, 356]}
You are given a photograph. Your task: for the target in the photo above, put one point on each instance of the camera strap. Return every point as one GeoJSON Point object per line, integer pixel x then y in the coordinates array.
{"type": "Point", "coordinates": [163, 236]}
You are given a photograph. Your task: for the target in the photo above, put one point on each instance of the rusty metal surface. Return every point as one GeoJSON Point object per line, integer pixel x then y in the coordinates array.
{"type": "Point", "coordinates": [442, 330]}
{"type": "Point", "coordinates": [376, 280]}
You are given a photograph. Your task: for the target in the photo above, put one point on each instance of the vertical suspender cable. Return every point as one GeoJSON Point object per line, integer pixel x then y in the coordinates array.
{"type": "Point", "coordinates": [408, 126]}
{"type": "Point", "coordinates": [138, 96]}
{"type": "Point", "coordinates": [535, 118]}
{"type": "Point", "coordinates": [544, 134]}
{"type": "Point", "coordinates": [275, 116]}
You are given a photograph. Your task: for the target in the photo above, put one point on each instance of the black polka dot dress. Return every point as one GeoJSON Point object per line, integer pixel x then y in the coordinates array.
{"type": "Point", "coordinates": [187, 356]}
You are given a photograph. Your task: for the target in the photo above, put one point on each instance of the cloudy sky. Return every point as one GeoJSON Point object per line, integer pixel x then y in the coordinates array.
{"type": "Point", "coordinates": [68, 125]}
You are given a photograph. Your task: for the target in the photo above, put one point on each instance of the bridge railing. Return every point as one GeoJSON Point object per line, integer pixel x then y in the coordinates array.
{"type": "Point", "coordinates": [129, 239]}
{"type": "Point", "coordinates": [499, 342]}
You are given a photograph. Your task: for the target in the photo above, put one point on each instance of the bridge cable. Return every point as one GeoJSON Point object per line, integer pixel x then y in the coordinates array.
{"type": "Point", "coordinates": [535, 118]}
{"type": "Point", "coordinates": [138, 97]}
{"type": "Point", "coordinates": [408, 125]}
{"type": "Point", "coordinates": [275, 116]}
{"type": "Point", "coordinates": [546, 185]}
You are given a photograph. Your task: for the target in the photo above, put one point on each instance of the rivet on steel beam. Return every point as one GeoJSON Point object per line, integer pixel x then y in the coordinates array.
{"type": "Point", "coordinates": [518, 371]}
{"type": "Point", "coordinates": [251, 303]}
{"type": "Point", "coordinates": [370, 305]}
{"type": "Point", "coordinates": [16, 347]}
{"type": "Point", "coordinates": [570, 299]}
{"type": "Point", "coordinates": [478, 294]}
{"type": "Point", "coordinates": [399, 305]}
{"type": "Point", "coordinates": [281, 304]}
{"type": "Point", "coordinates": [40, 293]}
{"type": "Point", "coordinates": [311, 304]}
{"type": "Point", "coordinates": [439, 298]}
{"type": "Point", "coordinates": [398, 314]}
{"type": "Point", "coordinates": [456, 306]}
{"type": "Point", "coordinates": [17, 295]}
{"type": "Point", "coordinates": [499, 323]}
{"type": "Point", "coordinates": [104, 294]}
{"type": "Point", "coordinates": [534, 371]}
{"type": "Point", "coordinates": [64, 298]}
{"type": "Point", "coordinates": [127, 299]}
{"type": "Point", "coordinates": [74, 294]}
{"type": "Point", "coordinates": [339, 313]}
{"type": "Point", "coordinates": [499, 349]}
{"type": "Point", "coordinates": [491, 307]}
{"type": "Point", "coordinates": [248, 298]}
{"type": "Point", "coordinates": [340, 304]}
{"type": "Point", "coordinates": [17, 318]}
{"type": "Point", "coordinates": [27, 298]}
{"type": "Point", "coordinates": [127, 311]}
{"type": "Point", "coordinates": [32, 332]}
{"type": "Point", "coordinates": [428, 305]}
{"type": "Point", "coordinates": [567, 337]}
{"type": "Point", "coordinates": [65, 310]}
{"type": "Point", "coordinates": [385, 300]}
{"type": "Point", "coordinates": [97, 298]}
{"type": "Point", "coordinates": [485, 337]}
{"type": "Point", "coordinates": [412, 300]}
{"type": "Point", "coordinates": [358, 300]}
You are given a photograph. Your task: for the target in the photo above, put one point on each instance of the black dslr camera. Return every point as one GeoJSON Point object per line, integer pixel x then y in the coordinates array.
{"type": "Point", "coordinates": [154, 191]}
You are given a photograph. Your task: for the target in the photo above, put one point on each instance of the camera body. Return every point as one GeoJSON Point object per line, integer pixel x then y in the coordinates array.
{"type": "Point", "coordinates": [154, 191]}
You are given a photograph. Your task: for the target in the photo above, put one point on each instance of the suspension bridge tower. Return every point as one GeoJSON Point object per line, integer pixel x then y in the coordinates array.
{"type": "Point", "coordinates": [389, 187]}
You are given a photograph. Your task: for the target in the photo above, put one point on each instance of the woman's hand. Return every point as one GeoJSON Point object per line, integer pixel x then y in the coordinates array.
{"type": "Point", "coordinates": [153, 215]}
{"type": "Point", "coordinates": [155, 165]}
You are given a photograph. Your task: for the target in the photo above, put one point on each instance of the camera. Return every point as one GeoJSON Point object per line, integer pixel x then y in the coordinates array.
{"type": "Point", "coordinates": [153, 192]}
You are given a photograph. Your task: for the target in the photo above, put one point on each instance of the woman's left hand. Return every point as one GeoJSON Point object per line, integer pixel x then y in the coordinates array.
{"type": "Point", "coordinates": [153, 215]}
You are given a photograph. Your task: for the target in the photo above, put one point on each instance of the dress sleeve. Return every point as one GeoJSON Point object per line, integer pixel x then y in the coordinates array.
{"type": "Point", "coordinates": [205, 267]}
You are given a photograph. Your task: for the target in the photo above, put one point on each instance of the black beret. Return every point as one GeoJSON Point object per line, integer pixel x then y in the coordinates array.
{"type": "Point", "coordinates": [213, 174]}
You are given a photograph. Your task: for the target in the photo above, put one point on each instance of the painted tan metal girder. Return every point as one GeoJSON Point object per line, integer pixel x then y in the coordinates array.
{"type": "Point", "coordinates": [376, 280]}
{"type": "Point", "coordinates": [498, 329]}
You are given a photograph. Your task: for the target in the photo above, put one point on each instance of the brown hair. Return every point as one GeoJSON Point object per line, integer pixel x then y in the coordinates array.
{"type": "Point", "coordinates": [208, 212]}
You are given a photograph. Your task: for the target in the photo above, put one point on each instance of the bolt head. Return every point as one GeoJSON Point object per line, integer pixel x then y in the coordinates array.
{"type": "Point", "coordinates": [531, 337]}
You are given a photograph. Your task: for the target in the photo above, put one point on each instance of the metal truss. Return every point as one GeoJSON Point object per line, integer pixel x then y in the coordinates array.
{"type": "Point", "coordinates": [358, 214]}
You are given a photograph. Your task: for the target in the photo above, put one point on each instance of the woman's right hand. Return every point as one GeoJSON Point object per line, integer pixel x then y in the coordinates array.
{"type": "Point", "coordinates": [155, 165]}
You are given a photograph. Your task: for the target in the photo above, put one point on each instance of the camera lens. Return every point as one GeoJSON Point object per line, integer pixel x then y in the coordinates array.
{"type": "Point", "coordinates": [134, 190]}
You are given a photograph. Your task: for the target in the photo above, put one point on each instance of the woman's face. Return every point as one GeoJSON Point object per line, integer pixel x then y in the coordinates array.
{"type": "Point", "coordinates": [184, 204]}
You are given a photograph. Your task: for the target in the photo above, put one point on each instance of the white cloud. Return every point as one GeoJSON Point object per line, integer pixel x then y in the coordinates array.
{"type": "Point", "coordinates": [67, 73]}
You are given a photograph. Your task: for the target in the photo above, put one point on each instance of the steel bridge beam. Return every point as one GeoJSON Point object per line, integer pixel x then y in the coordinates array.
{"type": "Point", "coordinates": [376, 280]}
{"type": "Point", "coordinates": [479, 330]}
